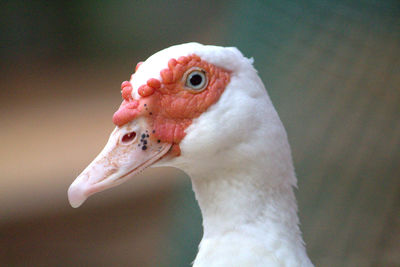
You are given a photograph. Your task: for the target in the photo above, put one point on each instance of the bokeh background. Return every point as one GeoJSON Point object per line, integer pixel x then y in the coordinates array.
{"type": "Point", "coordinates": [332, 69]}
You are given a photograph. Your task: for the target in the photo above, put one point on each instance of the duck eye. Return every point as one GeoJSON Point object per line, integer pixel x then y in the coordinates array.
{"type": "Point", "coordinates": [196, 80]}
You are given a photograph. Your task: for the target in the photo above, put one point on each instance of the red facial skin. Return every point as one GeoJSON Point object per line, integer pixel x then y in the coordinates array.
{"type": "Point", "coordinates": [169, 105]}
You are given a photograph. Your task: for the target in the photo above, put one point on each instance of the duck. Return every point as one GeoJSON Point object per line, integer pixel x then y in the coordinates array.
{"type": "Point", "coordinates": [204, 109]}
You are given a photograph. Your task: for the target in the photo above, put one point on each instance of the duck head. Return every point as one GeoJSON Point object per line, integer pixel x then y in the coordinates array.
{"type": "Point", "coordinates": [187, 106]}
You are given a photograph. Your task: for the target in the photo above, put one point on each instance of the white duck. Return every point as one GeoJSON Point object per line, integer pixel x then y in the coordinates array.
{"type": "Point", "coordinates": [204, 110]}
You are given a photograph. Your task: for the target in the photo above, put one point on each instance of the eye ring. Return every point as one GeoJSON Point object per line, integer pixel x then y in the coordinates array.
{"type": "Point", "coordinates": [196, 79]}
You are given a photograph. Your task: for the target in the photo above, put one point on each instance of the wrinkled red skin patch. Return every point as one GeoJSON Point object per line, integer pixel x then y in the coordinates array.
{"type": "Point", "coordinates": [168, 105]}
{"type": "Point", "coordinates": [129, 108]}
{"type": "Point", "coordinates": [126, 112]}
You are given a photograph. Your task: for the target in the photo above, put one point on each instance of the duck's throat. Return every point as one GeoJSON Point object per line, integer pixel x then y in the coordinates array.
{"type": "Point", "coordinates": [235, 202]}
{"type": "Point", "coordinates": [246, 221]}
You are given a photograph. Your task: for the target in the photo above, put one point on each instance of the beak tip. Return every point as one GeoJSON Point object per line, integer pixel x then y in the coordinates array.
{"type": "Point", "coordinates": [76, 196]}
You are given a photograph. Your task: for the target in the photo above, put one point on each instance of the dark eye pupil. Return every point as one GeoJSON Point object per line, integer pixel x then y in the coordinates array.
{"type": "Point", "coordinates": [196, 80]}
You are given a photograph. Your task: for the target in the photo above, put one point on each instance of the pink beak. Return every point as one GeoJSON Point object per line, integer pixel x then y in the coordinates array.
{"type": "Point", "coordinates": [130, 149]}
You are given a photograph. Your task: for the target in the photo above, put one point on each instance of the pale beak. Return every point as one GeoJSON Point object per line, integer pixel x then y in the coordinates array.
{"type": "Point", "coordinates": [130, 149]}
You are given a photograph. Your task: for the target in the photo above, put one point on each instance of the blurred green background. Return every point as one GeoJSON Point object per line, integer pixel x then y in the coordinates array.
{"type": "Point", "coordinates": [332, 69]}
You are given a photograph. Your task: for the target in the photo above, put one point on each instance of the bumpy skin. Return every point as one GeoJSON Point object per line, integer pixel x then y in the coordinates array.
{"type": "Point", "coordinates": [169, 105]}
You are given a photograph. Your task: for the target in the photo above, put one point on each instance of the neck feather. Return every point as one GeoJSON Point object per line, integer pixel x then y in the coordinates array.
{"type": "Point", "coordinates": [240, 209]}
{"type": "Point", "coordinates": [238, 200]}
{"type": "Point", "coordinates": [243, 204]}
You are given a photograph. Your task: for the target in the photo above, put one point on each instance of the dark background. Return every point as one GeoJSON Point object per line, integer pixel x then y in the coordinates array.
{"type": "Point", "coordinates": [332, 69]}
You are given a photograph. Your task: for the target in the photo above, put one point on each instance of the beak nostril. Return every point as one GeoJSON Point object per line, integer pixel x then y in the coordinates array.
{"type": "Point", "coordinates": [128, 137]}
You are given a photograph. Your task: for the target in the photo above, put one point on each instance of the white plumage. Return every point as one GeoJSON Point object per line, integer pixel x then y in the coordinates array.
{"type": "Point", "coordinates": [239, 161]}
